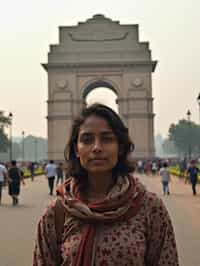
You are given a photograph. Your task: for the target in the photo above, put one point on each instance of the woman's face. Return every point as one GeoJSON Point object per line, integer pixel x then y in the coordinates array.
{"type": "Point", "coordinates": [97, 146]}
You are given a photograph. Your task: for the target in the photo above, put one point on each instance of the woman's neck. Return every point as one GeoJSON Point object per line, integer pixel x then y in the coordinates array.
{"type": "Point", "coordinates": [99, 185]}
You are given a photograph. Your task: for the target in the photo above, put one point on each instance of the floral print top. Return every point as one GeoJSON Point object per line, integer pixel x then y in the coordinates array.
{"type": "Point", "coordinates": [147, 239]}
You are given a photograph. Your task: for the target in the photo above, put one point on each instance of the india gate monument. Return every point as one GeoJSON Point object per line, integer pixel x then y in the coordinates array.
{"type": "Point", "coordinates": [100, 53]}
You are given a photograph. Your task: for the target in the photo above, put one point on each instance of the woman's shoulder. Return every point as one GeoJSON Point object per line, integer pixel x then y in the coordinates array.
{"type": "Point", "coordinates": [151, 201]}
{"type": "Point", "coordinates": [48, 212]}
{"type": "Point", "coordinates": [53, 210]}
{"type": "Point", "coordinates": [155, 209]}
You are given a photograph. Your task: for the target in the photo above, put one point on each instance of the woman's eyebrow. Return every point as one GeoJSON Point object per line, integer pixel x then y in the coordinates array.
{"type": "Point", "coordinates": [88, 133]}
{"type": "Point", "coordinates": [107, 132]}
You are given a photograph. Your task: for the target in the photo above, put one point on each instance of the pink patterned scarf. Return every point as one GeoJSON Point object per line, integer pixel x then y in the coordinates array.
{"type": "Point", "coordinates": [121, 203]}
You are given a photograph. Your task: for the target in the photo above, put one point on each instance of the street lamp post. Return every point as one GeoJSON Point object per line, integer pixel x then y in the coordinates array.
{"type": "Point", "coordinates": [189, 127]}
{"type": "Point", "coordinates": [23, 145]}
{"type": "Point", "coordinates": [35, 149]}
{"type": "Point", "coordinates": [10, 150]}
{"type": "Point", "coordinates": [198, 100]}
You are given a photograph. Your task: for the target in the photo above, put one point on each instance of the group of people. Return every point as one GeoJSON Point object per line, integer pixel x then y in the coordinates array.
{"type": "Point", "coordinates": [12, 176]}
{"type": "Point", "coordinates": [188, 170]}
{"type": "Point", "coordinates": [148, 167]}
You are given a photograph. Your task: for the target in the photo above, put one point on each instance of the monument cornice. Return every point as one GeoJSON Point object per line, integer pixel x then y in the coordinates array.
{"type": "Point", "coordinates": [50, 101]}
{"type": "Point", "coordinates": [59, 117]}
{"type": "Point", "coordinates": [139, 115]}
{"type": "Point", "coordinates": [78, 65]}
{"type": "Point", "coordinates": [135, 99]}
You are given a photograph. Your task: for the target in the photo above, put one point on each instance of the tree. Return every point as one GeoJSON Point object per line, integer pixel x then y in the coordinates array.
{"type": "Point", "coordinates": [4, 141]}
{"type": "Point", "coordinates": [185, 135]}
{"type": "Point", "coordinates": [169, 148]}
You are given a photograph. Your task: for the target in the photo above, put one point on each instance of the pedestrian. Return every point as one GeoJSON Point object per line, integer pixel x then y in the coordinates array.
{"type": "Point", "coordinates": [154, 168]}
{"type": "Point", "coordinates": [183, 168]}
{"type": "Point", "coordinates": [140, 166]}
{"type": "Point", "coordinates": [103, 215]}
{"type": "Point", "coordinates": [3, 178]}
{"type": "Point", "coordinates": [14, 179]}
{"type": "Point", "coordinates": [59, 173]}
{"type": "Point", "coordinates": [193, 172]}
{"type": "Point", "coordinates": [32, 170]}
{"type": "Point", "coordinates": [165, 178]}
{"type": "Point", "coordinates": [50, 171]}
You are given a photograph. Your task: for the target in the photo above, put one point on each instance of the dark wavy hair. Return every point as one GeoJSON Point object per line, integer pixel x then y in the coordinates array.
{"type": "Point", "coordinates": [126, 146]}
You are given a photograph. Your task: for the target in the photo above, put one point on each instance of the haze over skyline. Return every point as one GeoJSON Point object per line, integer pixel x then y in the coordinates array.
{"type": "Point", "coordinates": [27, 28]}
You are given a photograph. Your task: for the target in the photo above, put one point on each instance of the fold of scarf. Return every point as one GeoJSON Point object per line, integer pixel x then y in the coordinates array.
{"type": "Point", "coordinates": [121, 203]}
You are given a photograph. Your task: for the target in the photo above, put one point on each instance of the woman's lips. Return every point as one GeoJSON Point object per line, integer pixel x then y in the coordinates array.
{"type": "Point", "coordinates": [98, 160]}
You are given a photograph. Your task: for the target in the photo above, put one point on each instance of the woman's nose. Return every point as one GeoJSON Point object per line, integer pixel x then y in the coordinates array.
{"type": "Point", "coordinates": [97, 145]}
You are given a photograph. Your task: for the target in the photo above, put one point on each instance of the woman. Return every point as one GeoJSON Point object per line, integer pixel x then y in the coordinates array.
{"type": "Point", "coordinates": [103, 215]}
{"type": "Point", "coordinates": [15, 176]}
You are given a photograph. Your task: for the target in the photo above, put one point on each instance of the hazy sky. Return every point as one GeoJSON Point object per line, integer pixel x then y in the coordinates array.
{"type": "Point", "coordinates": [28, 27]}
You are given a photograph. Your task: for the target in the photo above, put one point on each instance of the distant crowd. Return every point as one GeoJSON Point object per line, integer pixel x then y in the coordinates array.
{"type": "Point", "coordinates": [12, 174]}
{"type": "Point", "coordinates": [187, 169]}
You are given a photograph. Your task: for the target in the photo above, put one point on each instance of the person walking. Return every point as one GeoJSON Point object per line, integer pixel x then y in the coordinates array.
{"type": "Point", "coordinates": [32, 170]}
{"type": "Point", "coordinates": [165, 178]}
{"type": "Point", "coordinates": [59, 172]}
{"type": "Point", "coordinates": [50, 171]}
{"type": "Point", "coordinates": [193, 172]}
{"type": "Point", "coordinates": [183, 168]}
{"type": "Point", "coordinates": [14, 179]}
{"type": "Point", "coordinates": [3, 178]}
{"type": "Point", "coordinates": [154, 168]}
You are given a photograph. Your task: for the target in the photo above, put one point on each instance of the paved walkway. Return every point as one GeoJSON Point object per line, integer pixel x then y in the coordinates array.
{"type": "Point", "coordinates": [184, 210]}
{"type": "Point", "coordinates": [18, 224]}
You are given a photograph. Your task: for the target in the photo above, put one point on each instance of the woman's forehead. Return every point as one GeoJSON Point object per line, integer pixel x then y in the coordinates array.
{"type": "Point", "coordinates": [95, 123]}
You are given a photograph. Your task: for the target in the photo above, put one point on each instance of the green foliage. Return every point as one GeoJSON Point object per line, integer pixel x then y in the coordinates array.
{"type": "Point", "coordinates": [169, 147]}
{"type": "Point", "coordinates": [185, 135]}
{"type": "Point", "coordinates": [4, 142]}
{"type": "Point", "coordinates": [4, 120]}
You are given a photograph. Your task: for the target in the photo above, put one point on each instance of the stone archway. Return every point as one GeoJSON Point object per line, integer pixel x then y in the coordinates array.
{"type": "Point", "coordinates": [96, 84]}
{"type": "Point", "coordinates": [100, 53]}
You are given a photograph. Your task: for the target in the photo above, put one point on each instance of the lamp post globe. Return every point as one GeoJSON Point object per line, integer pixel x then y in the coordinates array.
{"type": "Point", "coordinates": [188, 115]}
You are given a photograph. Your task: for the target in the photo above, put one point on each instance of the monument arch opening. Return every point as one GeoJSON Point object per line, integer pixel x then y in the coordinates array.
{"type": "Point", "coordinates": [104, 96]}
{"type": "Point", "coordinates": [101, 92]}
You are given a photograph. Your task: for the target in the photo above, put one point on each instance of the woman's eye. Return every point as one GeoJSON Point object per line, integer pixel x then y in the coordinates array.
{"type": "Point", "coordinates": [86, 139]}
{"type": "Point", "coordinates": [107, 139]}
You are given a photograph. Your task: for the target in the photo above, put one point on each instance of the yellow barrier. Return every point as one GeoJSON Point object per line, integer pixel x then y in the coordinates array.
{"type": "Point", "coordinates": [176, 171]}
{"type": "Point", "coordinates": [38, 171]}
